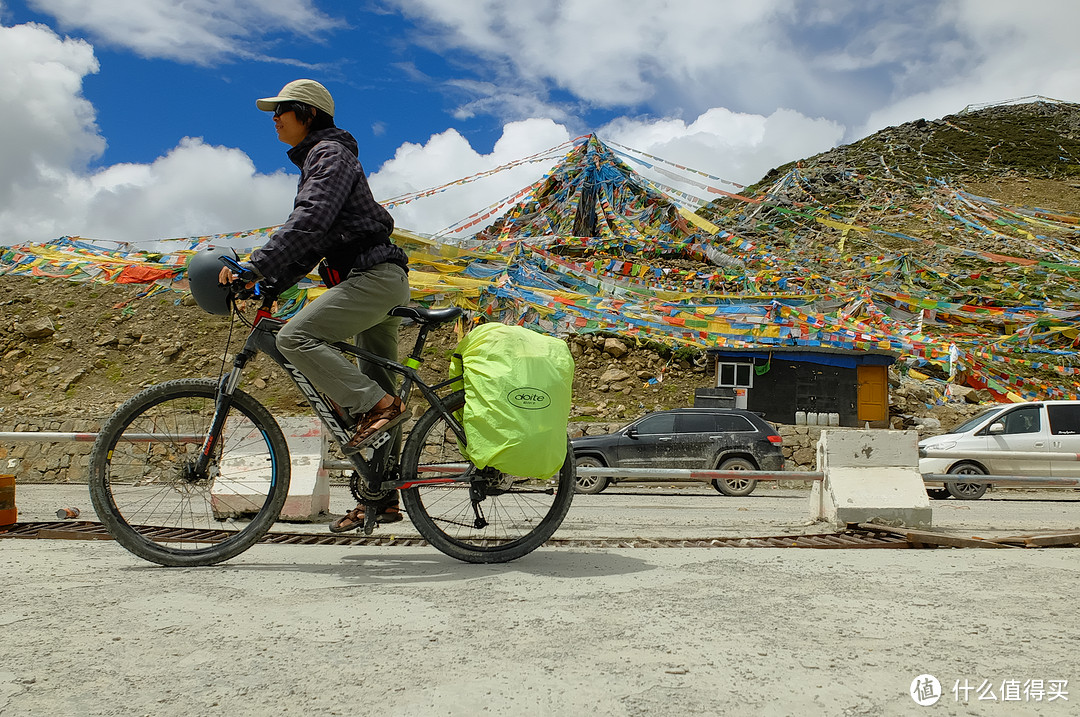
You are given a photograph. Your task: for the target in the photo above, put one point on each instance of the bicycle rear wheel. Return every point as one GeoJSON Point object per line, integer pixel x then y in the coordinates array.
{"type": "Point", "coordinates": [146, 489]}
{"type": "Point", "coordinates": [518, 514]}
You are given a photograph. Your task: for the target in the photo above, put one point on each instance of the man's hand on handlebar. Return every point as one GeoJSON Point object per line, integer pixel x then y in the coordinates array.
{"type": "Point", "coordinates": [243, 278]}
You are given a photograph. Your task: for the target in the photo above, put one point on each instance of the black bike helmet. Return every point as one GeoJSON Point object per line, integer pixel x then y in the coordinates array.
{"type": "Point", "coordinates": [203, 271]}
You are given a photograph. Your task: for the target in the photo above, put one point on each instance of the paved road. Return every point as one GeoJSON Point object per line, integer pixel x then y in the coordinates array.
{"type": "Point", "coordinates": [91, 630]}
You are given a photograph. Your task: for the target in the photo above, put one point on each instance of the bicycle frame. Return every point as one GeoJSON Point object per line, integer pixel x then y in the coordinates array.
{"type": "Point", "coordinates": [381, 473]}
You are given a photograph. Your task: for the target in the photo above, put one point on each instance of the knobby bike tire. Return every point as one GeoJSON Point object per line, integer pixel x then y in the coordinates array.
{"type": "Point", "coordinates": [141, 483]}
{"type": "Point", "coordinates": [522, 513]}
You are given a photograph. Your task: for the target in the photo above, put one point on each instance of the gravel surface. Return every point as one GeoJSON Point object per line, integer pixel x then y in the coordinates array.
{"type": "Point", "coordinates": [91, 630]}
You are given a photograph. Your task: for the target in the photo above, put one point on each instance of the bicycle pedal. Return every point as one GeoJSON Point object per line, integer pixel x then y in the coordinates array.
{"type": "Point", "coordinates": [369, 525]}
{"type": "Point", "coordinates": [381, 440]}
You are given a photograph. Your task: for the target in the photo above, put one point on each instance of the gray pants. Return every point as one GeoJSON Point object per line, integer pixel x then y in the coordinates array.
{"type": "Point", "coordinates": [354, 308]}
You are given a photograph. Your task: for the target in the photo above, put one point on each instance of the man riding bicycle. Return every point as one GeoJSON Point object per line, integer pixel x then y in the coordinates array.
{"type": "Point", "coordinates": [335, 224]}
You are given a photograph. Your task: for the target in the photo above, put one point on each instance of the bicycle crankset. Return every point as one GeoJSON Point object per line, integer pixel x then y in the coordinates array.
{"type": "Point", "coordinates": [362, 493]}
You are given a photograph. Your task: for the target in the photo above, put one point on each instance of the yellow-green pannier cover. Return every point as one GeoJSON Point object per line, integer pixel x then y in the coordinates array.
{"type": "Point", "coordinates": [517, 398]}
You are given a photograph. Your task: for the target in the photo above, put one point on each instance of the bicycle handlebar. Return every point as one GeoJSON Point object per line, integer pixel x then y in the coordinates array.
{"type": "Point", "coordinates": [239, 286]}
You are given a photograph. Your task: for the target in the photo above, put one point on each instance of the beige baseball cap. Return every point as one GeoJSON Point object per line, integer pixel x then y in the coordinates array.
{"type": "Point", "coordinates": [307, 91]}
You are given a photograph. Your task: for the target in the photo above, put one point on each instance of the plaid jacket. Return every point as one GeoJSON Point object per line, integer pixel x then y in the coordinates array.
{"type": "Point", "coordinates": [334, 216]}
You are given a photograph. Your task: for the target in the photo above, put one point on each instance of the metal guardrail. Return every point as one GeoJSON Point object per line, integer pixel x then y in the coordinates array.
{"type": "Point", "coordinates": [41, 437]}
{"type": "Point", "coordinates": [694, 474]}
{"type": "Point", "coordinates": [999, 480]}
{"type": "Point", "coordinates": [679, 474]}
{"type": "Point", "coordinates": [1020, 455]}
{"type": "Point", "coordinates": [46, 437]}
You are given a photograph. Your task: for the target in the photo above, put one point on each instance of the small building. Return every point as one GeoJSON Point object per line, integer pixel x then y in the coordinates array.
{"type": "Point", "coordinates": [798, 384]}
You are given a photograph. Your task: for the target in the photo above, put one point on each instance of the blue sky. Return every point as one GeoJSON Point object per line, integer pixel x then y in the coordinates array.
{"type": "Point", "coordinates": [137, 117]}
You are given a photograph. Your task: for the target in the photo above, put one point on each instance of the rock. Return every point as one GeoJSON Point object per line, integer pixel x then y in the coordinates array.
{"type": "Point", "coordinates": [614, 375]}
{"type": "Point", "coordinates": [805, 457]}
{"type": "Point", "coordinates": [928, 422]}
{"type": "Point", "coordinates": [615, 348]}
{"type": "Point", "coordinates": [40, 328]}
{"type": "Point", "coordinates": [73, 379]}
{"type": "Point", "coordinates": [962, 393]}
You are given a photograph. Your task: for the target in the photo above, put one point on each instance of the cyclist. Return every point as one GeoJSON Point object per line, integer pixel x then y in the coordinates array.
{"type": "Point", "coordinates": [335, 224]}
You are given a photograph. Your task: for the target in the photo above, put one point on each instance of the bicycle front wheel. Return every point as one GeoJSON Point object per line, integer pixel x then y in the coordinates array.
{"type": "Point", "coordinates": [153, 498]}
{"type": "Point", "coordinates": [495, 518]}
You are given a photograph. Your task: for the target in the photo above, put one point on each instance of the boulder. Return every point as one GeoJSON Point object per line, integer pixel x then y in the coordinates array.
{"type": "Point", "coordinates": [40, 328]}
{"type": "Point", "coordinates": [615, 348]}
{"type": "Point", "coordinates": [614, 375]}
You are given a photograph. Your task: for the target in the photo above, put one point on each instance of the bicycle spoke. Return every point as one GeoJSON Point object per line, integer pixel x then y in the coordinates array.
{"type": "Point", "coordinates": [144, 472]}
{"type": "Point", "coordinates": [518, 513]}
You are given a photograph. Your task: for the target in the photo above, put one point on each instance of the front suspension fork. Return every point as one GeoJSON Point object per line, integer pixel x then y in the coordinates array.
{"type": "Point", "coordinates": [222, 404]}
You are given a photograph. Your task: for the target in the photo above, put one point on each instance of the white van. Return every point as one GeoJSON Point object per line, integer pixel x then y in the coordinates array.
{"type": "Point", "coordinates": [1046, 427]}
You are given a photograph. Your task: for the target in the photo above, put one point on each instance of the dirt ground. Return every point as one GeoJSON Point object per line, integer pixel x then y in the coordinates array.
{"type": "Point", "coordinates": [91, 630]}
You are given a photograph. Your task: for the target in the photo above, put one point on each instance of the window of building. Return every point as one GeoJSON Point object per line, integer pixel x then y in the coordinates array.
{"type": "Point", "coordinates": [735, 375]}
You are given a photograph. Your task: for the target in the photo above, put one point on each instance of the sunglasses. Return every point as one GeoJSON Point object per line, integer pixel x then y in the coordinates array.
{"type": "Point", "coordinates": [284, 107]}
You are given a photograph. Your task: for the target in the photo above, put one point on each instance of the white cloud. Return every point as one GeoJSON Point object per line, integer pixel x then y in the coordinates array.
{"type": "Point", "coordinates": [737, 147]}
{"type": "Point", "coordinates": [50, 123]}
{"type": "Point", "coordinates": [200, 32]}
{"type": "Point", "coordinates": [1012, 54]}
{"type": "Point", "coordinates": [611, 52]}
{"type": "Point", "coordinates": [447, 157]}
{"type": "Point", "coordinates": [47, 191]}
{"type": "Point", "coordinates": [843, 59]}
{"type": "Point", "coordinates": [195, 189]}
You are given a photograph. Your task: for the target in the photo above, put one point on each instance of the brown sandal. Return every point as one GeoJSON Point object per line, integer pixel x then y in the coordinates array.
{"type": "Point", "coordinates": [376, 421]}
{"type": "Point", "coordinates": [355, 518]}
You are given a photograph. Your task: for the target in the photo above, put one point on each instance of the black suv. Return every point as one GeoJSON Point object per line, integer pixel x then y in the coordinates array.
{"type": "Point", "coordinates": [727, 439]}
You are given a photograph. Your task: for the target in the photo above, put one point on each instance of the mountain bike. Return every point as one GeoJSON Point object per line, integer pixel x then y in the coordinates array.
{"type": "Point", "coordinates": [194, 471]}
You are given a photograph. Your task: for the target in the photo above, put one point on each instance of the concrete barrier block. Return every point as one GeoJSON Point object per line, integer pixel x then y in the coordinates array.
{"type": "Point", "coordinates": [309, 486]}
{"type": "Point", "coordinates": [309, 489]}
{"type": "Point", "coordinates": [870, 476]}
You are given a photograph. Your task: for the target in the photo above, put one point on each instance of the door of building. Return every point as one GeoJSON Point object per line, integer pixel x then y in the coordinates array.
{"type": "Point", "coordinates": [873, 394]}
